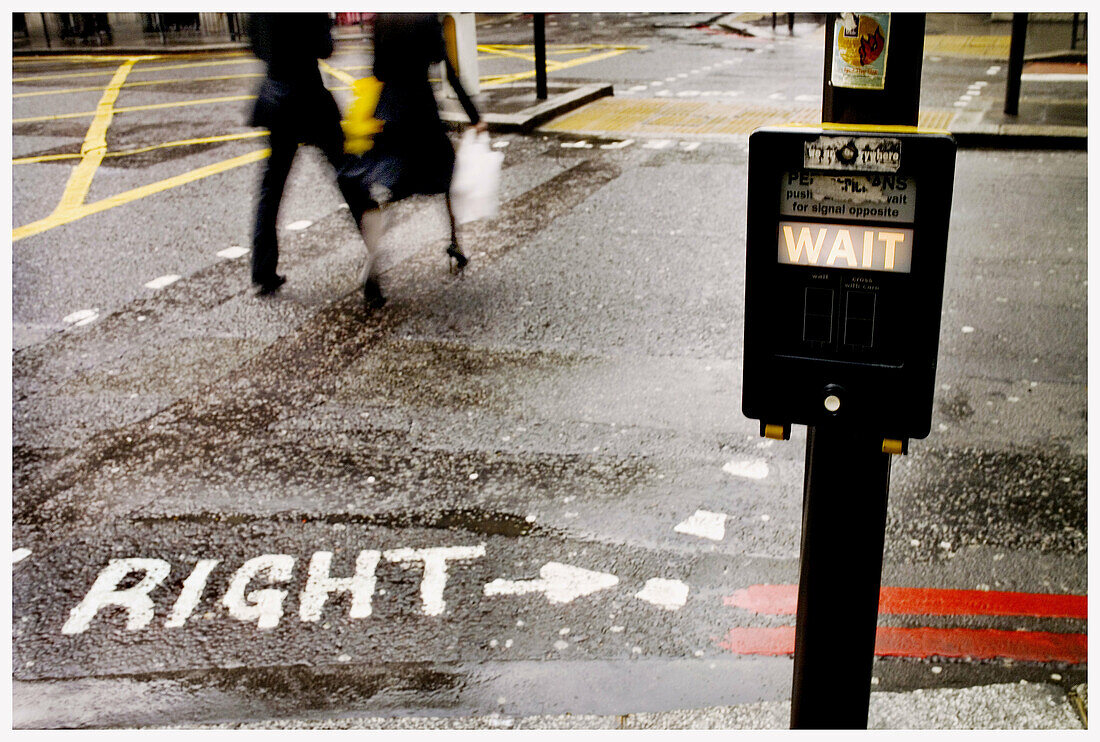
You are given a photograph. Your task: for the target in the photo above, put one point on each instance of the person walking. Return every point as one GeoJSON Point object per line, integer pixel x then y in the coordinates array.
{"type": "Point", "coordinates": [295, 107]}
{"type": "Point", "coordinates": [412, 153]}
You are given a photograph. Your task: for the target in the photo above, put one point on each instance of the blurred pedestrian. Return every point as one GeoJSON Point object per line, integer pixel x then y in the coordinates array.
{"type": "Point", "coordinates": [412, 154]}
{"type": "Point", "coordinates": [294, 105]}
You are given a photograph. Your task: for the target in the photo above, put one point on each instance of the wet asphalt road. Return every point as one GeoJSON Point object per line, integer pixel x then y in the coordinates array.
{"type": "Point", "coordinates": [572, 399]}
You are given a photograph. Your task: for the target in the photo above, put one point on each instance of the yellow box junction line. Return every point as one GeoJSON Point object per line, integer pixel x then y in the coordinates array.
{"type": "Point", "coordinates": [92, 152]}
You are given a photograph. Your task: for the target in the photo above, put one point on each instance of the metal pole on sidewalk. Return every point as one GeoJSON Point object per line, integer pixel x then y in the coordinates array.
{"type": "Point", "coordinates": [1015, 63]}
{"type": "Point", "coordinates": [540, 56]}
{"type": "Point", "coordinates": [45, 29]}
{"type": "Point", "coordinates": [1073, 39]}
{"type": "Point", "coordinates": [847, 479]}
{"type": "Point", "coordinates": [840, 570]}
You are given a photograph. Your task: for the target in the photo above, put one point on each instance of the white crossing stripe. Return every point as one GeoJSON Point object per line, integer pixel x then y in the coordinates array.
{"type": "Point", "coordinates": [668, 594]}
{"type": "Point", "coordinates": [159, 283]}
{"type": "Point", "coordinates": [299, 225]}
{"type": "Point", "coordinates": [232, 253]}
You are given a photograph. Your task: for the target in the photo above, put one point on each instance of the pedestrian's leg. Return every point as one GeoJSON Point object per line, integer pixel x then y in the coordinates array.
{"type": "Point", "coordinates": [265, 245]}
{"type": "Point", "coordinates": [372, 227]}
{"type": "Point", "coordinates": [454, 251]}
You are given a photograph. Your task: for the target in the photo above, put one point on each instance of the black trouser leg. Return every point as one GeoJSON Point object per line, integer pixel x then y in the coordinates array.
{"type": "Point", "coordinates": [331, 144]}
{"type": "Point", "coordinates": [265, 245]}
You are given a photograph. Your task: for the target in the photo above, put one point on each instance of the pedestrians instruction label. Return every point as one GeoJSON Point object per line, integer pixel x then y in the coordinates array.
{"type": "Point", "coordinates": [876, 197]}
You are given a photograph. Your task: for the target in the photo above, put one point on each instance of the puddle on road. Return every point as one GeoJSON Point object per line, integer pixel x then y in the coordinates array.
{"type": "Point", "coordinates": [472, 520]}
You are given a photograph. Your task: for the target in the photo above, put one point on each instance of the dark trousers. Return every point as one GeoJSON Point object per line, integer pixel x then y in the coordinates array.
{"type": "Point", "coordinates": [284, 145]}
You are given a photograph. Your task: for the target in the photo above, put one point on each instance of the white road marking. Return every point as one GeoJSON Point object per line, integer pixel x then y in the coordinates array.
{"type": "Point", "coordinates": [265, 607]}
{"type": "Point", "coordinates": [668, 594]}
{"type": "Point", "coordinates": [658, 144]}
{"type": "Point", "coordinates": [689, 146]}
{"type": "Point", "coordinates": [159, 283]}
{"type": "Point", "coordinates": [299, 225]}
{"type": "Point", "coordinates": [663, 93]}
{"type": "Point", "coordinates": [582, 144]}
{"type": "Point", "coordinates": [777, 96]}
{"type": "Point", "coordinates": [967, 329]}
{"type": "Point", "coordinates": [1053, 77]}
{"type": "Point", "coordinates": [234, 252]}
{"type": "Point", "coordinates": [19, 555]}
{"type": "Point", "coordinates": [960, 104]}
{"type": "Point", "coordinates": [688, 94]}
{"type": "Point", "coordinates": [618, 145]}
{"type": "Point", "coordinates": [135, 599]}
{"type": "Point", "coordinates": [805, 97]}
{"type": "Point", "coordinates": [993, 70]}
{"type": "Point", "coordinates": [750, 469]}
{"type": "Point", "coordinates": [704, 524]}
{"type": "Point", "coordinates": [560, 583]}
{"type": "Point", "coordinates": [637, 88]}
{"type": "Point", "coordinates": [320, 584]}
{"type": "Point", "coordinates": [501, 143]}
{"type": "Point", "coordinates": [191, 593]}
{"type": "Point", "coordinates": [656, 83]}
{"type": "Point", "coordinates": [435, 570]}
{"type": "Point", "coordinates": [82, 317]}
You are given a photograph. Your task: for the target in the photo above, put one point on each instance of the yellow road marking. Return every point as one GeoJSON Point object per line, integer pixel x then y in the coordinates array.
{"type": "Point", "coordinates": [95, 143]}
{"type": "Point", "coordinates": [131, 109]}
{"type": "Point", "coordinates": [214, 63]}
{"type": "Point", "coordinates": [34, 78]}
{"type": "Point", "coordinates": [144, 83]}
{"type": "Point", "coordinates": [56, 220]}
{"type": "Point", "coordinates": [150, 148]}
{"type": "Point", "coordinates": [552, 66]}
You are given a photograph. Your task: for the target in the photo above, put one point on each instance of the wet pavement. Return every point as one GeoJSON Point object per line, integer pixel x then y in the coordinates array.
{"type": "Point", "coordinates": [536, 472]}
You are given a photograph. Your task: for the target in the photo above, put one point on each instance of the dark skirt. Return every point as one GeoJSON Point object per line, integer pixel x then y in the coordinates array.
{"type": "Point", "coordinates": [402, 166]}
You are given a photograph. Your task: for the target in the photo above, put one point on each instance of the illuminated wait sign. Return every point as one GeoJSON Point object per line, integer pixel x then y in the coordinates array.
{"type": "Point", "coordinates": [850, 246]}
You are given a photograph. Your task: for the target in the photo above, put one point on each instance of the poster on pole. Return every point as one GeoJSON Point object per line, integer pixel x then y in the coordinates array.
{"type": "Point", "coordinates": [860, 42]}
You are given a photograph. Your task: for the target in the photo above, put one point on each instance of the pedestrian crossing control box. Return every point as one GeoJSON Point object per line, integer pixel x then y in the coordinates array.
{"type": "Point", "coordinates": [847, 242]}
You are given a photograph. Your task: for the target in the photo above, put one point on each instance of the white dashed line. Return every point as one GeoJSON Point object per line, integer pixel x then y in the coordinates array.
{"type": "Point", "coordinates": [704, 524]}
{"type": "Point", "coordinates": [501, 143]}
{"type": "Point", "coordinates": [234, 252]}
{"type": "Point", "coordinates": [159, 283]}
{"type": "Point", "coordinates": [777, 96]}
{"type": "Point", "coordinates": [668, 594]}
{"type": "Point", "coordinates": [83, 317]}
{"type": "Point", "coordinates": [299, 225]}
{"type": "Point", "coordinates": [689, 146]}
{"type": "Point", "coordinates": [750, 469]}
{"type": "Point", "coordinates": [19, 555]}
{"type": "Point", "coordinates": [658, 144]}
{"type": "Point", "coordinates": [582, 144]}
{"type": "Point", "coordinates": [967, 329]}
{"type": "Point", "coordinates": [637, 88]}
{"type": "Point", "coordinates": [618, 145]}
{"type": "Point", "coordinates": [993, 70]}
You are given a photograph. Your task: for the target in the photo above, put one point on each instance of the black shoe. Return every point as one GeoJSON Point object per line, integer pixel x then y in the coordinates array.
{"type": "Point", "coordinates": [269, 286]}
{"type": "Point", "coordinates": [372, 294]}
{"type": "Point", "coordinates": [459, 259]}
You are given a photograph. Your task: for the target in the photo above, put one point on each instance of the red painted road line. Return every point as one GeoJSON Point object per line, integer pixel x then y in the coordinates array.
{"type": "Point", "coordinates": [890, 641]}
{"type": "Point", "coordinates": [781, 600]}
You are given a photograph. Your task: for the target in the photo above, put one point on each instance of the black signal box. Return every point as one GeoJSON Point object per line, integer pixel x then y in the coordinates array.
{"type": "Point", "coordinates": [847, 241]}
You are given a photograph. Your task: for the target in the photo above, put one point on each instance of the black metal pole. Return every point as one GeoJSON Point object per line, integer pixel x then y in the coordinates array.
{"type": "Point", "coordinates": [1073, 39]}
{"type": "Point", "coordinates": [790, 23]}
{"type": "Point", "coordinates": [540, 56]}
{"type": "Point", "coordinates": [840, 570]}
{"type": "Point", "coordinates": [898, 103]}
{"type": "Point", "coordinates": [45, 29]}
{"type": "Point", "coordinates": [847, 479]}
{"type": "Point", "coordinates": [1015, 63]}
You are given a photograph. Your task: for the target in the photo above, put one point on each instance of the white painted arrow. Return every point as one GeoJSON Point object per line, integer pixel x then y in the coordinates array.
{"type": "Point", "coordinates": [560, 582]}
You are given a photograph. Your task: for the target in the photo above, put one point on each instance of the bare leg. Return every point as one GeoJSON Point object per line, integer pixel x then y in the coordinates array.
{"type": "Point", "coordinates": [454, 251]}
{"type": "Point", "coordinates": [371, 226]}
